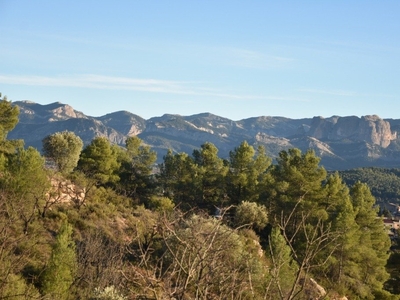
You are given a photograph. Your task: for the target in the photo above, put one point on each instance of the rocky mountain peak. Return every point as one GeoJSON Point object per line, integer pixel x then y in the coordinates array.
{"type": "Point", "coordinates": [31, 112]}
{"type": "Point", "coordinates": [125, 122]}
{"type": "Point", "coordinates": [371, 129]}
{"type": "Point", "coordinates": [63, 111]}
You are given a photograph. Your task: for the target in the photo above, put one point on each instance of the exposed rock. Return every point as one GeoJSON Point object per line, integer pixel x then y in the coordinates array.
{"type": "Point", "coordinates": [341, 142]}
{"type": "Point", "coordinates": [320, 148]}
{"type": "Point", "coordinates": [370, 129]}
{"type": "Point", "coordinates": [318, 290]}
{"type": "Point", "coordinates": [63, 191]}
{"type": "Point", "coordinates": [63, 111]}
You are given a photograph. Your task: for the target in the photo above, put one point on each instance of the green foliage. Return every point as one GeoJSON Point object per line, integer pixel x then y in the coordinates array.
{"type": "Point", "coordinates": [384, 295]}
{"type": "Point", "coordinates": [247, 173]}
{"type": "Point", "coordinates": [329, 230]}
{"type": "Point", "coordinates": [209, 255]}
{"type": "Point", "coordinates": [251, 214]}
{"type": "Point", "coordinates": [64, 148]}
{"type": "Point", "coordinates": [180, 179]}
{"type": "Point", "coordinates": [145, 224]}
{"type": "Point", "coordinates": [23, 241]}
{"type": "Point", "coordinates": [341, 255]}
{"type": "Point", "coordinates": [283, 270]}
{"type": "Point", "coordinates": [169, 246]}
{"type": "Point", "coordinates": [136, 169]}
{"type": "Point", "coordinates": [8, 120]}
{"type": "Point", "coordinates": [16, 288]}
{"type": "Point", "coordinates": [99, 161]}
{"type": "Point", "coordinates": [296, 189]}
{"type": "Point", "coordinates": [8, 117]}
{"type": "Point", "coordinates": [384, 183]}
{"type": "Point", "coordinates": [373, 243]}
{"type": "Point", "coordinates": [26, 173]}
{"type": "Point", "coordinates": [61, 270]}
{"type": "Point", "coordinates": [212, 171]}
{"type": "Point", "coordinates": [159, 203]}
{"type": "Point", "coordinates": [19, 258]}
{"type": "Point", "coordinates": [26, 183]}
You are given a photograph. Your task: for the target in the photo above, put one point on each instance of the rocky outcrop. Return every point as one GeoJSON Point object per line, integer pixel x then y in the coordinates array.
{"type": "Point", "coordinates": [63, 191]}
{"type": "Point", "coordinates": [64, 112]}
{"type": "Point", "coordinates": [317, 290]}
{"type": "Point", "coordinates": [370, 129]}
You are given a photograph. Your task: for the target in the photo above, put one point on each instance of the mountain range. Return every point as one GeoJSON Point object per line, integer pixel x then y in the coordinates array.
{"type": "Point", "coordinates": [342, 142]}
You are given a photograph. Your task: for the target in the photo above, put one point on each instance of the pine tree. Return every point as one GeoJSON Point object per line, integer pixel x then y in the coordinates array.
{"type": "Point", "coordinates": [372, 252]}
{"type": "Point", "coordinates": [99, 161]}
{"type": "Point", "coordinates": [61, 270]}
{"type": "Point", "coordinates": [283, 270]}
{"type": "Point", "coordinates": [136, 168]}
{"type": "Point", "coordinates": [180, 179]}
{"type": "Point", "coordinates": [296, 192]}
{"type": "Point", "coordinates": [307, 209]}
{"type": "Point", "coordinates": [213, 173]}
{"type": "Point", "coordinates": [246, 175]}
{"type": "Point", "coordinates": [8, 117]}
{"type": "Point", "coordinates": [8, 120]}
{"type": "Point", "coordinates": [340, 266]}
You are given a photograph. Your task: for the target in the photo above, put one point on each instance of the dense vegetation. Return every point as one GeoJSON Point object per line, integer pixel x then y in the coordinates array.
{"type": "Point", "coordinates": [384, 183]}
{"type": "Point", "coordinates": [101, 222]}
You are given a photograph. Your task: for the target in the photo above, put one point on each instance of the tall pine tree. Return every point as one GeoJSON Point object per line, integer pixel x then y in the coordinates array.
{"type": "Point", "coordinates": [247, 173]}
{"type": "Point", "coordinates": [373, 244]}
{"type": "Point", "coordinates": [61, 270]}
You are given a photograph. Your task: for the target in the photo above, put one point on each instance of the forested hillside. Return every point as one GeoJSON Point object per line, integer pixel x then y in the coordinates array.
{"type": "Point", "coordinates": [101, 221]}
{"type": "Point", "coordinates": [384, 183]}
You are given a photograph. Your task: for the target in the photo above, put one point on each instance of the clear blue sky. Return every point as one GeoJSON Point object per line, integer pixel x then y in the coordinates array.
{"type": "Point", "coordinates": [235, 59]}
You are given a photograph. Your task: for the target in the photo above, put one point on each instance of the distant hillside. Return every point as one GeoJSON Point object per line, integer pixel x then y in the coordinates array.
{"type": "Point", "coordinates": [342, 142]}
{"type": "Point", "coordinates": [383, 182]}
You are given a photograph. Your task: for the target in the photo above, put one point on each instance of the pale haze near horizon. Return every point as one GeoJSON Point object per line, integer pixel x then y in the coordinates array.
{"type": "Point", "coordinates": [235, 59]}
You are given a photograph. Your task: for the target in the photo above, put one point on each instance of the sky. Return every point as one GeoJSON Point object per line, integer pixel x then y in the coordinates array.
{"type": "Point", "coordinates": [235, 59]}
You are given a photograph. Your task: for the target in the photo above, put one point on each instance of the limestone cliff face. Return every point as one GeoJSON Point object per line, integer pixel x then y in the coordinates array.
{"type": "Point", "coordinates": [377, 130]}
{"type": "Point", "coordinates": [370, 129]}
{"type": "Point", "coordinates": [64, 112]}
